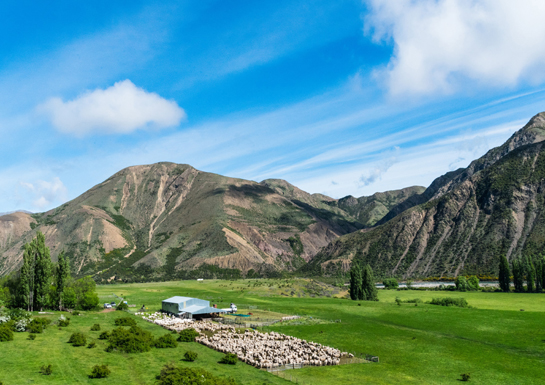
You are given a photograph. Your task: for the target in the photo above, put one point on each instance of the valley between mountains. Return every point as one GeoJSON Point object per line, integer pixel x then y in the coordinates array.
{"type": "Point", "coordinates": [171, 221]}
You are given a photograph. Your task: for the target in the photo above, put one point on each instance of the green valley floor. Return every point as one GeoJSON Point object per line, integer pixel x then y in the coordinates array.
{"type": "Point", "coordinates": [495, 342]}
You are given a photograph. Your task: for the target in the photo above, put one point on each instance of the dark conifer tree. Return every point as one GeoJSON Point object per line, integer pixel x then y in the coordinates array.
{"type": "Point", "coordinates": [369, 289]}
{"type": "Point", "coordinates": [539, 275]}
{"type": "Point", "coordinates": [505, 275]}
{"type": "Point", "coordinates": [355, 281]}
{"type": "Point", "coordinates": [518, 276]}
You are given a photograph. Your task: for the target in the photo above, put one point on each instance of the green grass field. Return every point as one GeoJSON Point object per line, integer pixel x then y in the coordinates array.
{"type": "Point", "coordinates": [494, 341]}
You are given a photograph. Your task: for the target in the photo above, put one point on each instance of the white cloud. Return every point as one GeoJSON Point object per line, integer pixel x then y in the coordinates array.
{"type": "Point", "coordinates": [44, 193]}
{"type": "Point", "coordinates": [119, 109]}
{"type": "Point", "coordinates": [440, 44]}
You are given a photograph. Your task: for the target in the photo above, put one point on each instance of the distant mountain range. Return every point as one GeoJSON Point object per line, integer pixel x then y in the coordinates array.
{"type": "Point", "coordinates": [164, 220]}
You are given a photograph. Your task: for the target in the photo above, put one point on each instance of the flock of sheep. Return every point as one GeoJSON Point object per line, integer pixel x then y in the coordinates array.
{"type": "Point", "coordinates": [262, 350]}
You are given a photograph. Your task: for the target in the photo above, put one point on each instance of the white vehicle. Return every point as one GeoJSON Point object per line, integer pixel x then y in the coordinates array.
{"type": "Point", "coordinates": [107, 306]}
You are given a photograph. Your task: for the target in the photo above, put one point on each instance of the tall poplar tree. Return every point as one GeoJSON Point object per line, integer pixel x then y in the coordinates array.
{"type": "Point", "coordinates": [505, 275]}
{"type": "Point", "coordinates": [35, 274]}
{"type": "Point", "coordinates": [62, 277]}
{"type": "Point", "coordinates": [530, 273]}
{"type": "Point", "coordinates": [368, 288]}
{"type": "Point", "coordinates": [26, 282]}
{"type": "Point", "coordinates": [355, 281]}
{"type": "Point", "coordinates": [539, 275]}
{"type": "Point", "coordinates": [518, 275]}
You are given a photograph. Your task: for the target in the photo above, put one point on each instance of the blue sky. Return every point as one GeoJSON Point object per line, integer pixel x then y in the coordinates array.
{"type": "Point", "coordinates": [339, 98]}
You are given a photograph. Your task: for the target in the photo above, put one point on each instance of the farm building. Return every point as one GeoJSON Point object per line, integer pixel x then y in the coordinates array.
{"type": "Point", "coordinates": [187, 307]}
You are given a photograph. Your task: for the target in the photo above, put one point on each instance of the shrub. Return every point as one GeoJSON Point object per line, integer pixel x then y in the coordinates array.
{"type": "Point", "coordinates": [104, 335]}
{"type": "Point", "coordinates": [100, 371]}
{"type": "Point", "coordinates": [35, 327]}
{"type": "Point", "coordinates": [188, 335]}
{"type": "Point", "coordinates": [461, 283]}
{"type": "Point", "coordinates": [95, 328]}
{"type": "Point", "coordinates": [77, 339]}
{"type": "Point", "coordinates": [473, 283]}
{"type": "Point", "coordinates": [171, 375]}
{"type": "Point", "coordinates": [63, 321]}
{"type": "Point", "coordinates": [190, 356]}
{"type": "Point", "coordinates": [89, 301]}
{"type": "Point", "coordinates": [31, 337]}
{"type": "Point", "coordinates": [76, 312]}
{"type": "Point", "coordinates": [166, 341]}
{"type": "Point", "coordinates": [465, 376]}
{"type": "Point", "coordinates": [133, 340]}
{"type": "Point", "coordinates": [229, 358]}
{"type": "Point", "coordinates": [459, 302]}
{"type": "Point", "coordinates": [5, 333]}
{"type": "Point", "coordinates": [92, 345]}
{"type": "Point", "coordinates": [122, 306]}
{"type": "Point", "coordinates": [390, 283]}
{"type": "Point", "coordinates": [46, 370]}
{"type": "Point", "coordinates": [125, 321]}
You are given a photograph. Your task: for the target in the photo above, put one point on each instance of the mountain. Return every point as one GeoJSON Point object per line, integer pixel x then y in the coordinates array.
{"type": "Point", "coordinates": [369, 210]}
{"type": "Point", "coordinates": [463, 222]}
{"type": "Point", "coordinates": [161, 220]}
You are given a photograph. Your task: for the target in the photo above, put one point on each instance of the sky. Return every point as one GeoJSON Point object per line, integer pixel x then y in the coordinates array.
{"type": "Point", "coordinates": [338, 98]}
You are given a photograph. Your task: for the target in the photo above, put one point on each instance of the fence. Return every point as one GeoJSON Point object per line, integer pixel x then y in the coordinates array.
{"type": "Point", "coordinates": [283, 371]}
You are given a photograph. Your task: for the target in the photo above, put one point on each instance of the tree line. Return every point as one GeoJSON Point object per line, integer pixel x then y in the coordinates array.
{"type": "Point", "coordinates": [42, 284]}
{"type": "Point", "coordinates": [522, 270]}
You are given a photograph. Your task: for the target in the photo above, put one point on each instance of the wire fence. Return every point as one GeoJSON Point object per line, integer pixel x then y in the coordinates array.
{"type": "Point", "coordinates": [286, 373]}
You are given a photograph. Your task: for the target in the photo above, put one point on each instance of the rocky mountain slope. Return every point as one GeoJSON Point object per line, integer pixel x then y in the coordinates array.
{"type": "Point", "coordinates": [463, 222]}
{"type": "Point", "coordinates": [163, 219]}
{"type": "Point", "coordinates": [369, 210]}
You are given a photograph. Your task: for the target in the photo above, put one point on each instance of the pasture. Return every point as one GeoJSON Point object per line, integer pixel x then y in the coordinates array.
{"type": "Point", "coordinates": [494, 342]}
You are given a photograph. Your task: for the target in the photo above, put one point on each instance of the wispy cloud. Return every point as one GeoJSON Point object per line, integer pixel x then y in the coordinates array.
{"type": "Point", "coordinates": [121, 108]}
{"type": "Point", "coordinates": [45, 193]}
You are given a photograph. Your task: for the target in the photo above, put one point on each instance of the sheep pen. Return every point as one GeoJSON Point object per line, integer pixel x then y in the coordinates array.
{"type": "Point", "coordinates": [261, 350]}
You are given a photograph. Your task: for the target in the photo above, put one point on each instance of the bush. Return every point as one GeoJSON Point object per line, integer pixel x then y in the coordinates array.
{"type": "Point", "coordinates": [172, 375]}
{"type": "Point", "coordinates": [76, 312]}
{"type": "Point", "coordinates": [133, 340]}
{"type": "Point", "coordinates": [100, 371]}
{"type": "Point", "coordinates": [104, 335]}
{"type": "Point", "coordinates": [77, 339]}
{"type": "Point", "coordinates": [188, 335]}
{"type": "Point", "coordinates": [95, 328]}
{"type": "Point", "coordinates": [459, 302]}
{"type": "Point", "coordinates": [461, 283]}
{"type": "Point", "coordinates": [122, 306]}
{"type": "Point", "coordinates": [473, 283]}
{"type": "Point", "coordinates": [5, 333]}
{"type": "Point", "coordinates": [125, 321]}
{"type": "Point", "coordinates": [89, 301]}
{"type": "Point", "coordinates": [166, 341]}
{"type": "Point", "coordinates": [390, 283]}
{"type": "Point", "coordinates": [465, 376]}
{"type": "Point", "coordinates": [31, 337]}
{"type": "Point", "coordinates": [229, 358]}
{"type": "Point", "coordinates": [46, 370]}
{"type": "Point", "coordinates": [63, 321]}
{"type": "Point", "coordinates": [92, 345]}
{"type": "Point", "coordinates": [35, 327]}
{"type": "Point", "coordinates": [190, 356]}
